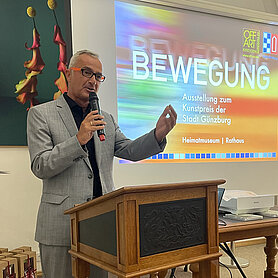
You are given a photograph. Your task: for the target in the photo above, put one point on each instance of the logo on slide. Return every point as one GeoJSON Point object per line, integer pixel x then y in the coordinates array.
{"type": "Point", "coordinates": [251, 41]}
{"type": "Point", "coordinates": [270, 43]}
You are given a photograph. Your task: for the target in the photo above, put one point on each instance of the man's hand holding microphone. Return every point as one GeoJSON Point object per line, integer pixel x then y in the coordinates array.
{"type": "Point", "coordinates": [92, 122]}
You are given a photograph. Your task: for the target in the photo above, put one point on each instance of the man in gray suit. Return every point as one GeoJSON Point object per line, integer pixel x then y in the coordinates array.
{"type": "Point", "coordinates": [74, 165]}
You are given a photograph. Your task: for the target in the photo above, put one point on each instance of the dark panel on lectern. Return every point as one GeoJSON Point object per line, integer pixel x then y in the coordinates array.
{"type": "Point", "coordinates": [100, 232]}
{"type": "Point", "coordinates": [172, 225]}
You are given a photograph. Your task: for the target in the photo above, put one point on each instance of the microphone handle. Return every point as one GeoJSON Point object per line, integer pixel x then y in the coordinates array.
{"type": "Point", "coordinates": [94, 105]}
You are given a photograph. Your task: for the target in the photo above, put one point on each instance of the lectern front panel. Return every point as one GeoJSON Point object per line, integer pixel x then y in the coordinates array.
{"type": "Point", "coordinates": [173, 225]}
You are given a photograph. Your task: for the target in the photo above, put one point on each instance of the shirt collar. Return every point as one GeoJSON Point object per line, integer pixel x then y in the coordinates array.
{"type": "Point", "coordinates": [70, 101]}
{"type": "Point", "coordinates": [73, 105]}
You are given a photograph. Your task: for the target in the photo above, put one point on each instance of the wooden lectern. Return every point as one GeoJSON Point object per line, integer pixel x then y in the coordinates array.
{"type": "Point", "coordinates": [138, 230]}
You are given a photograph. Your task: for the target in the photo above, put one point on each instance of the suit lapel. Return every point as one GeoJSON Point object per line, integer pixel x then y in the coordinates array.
{"type": "Point", "coordinates": [68, 120]}
{"type": "Point", "coordinates": [66, 115]}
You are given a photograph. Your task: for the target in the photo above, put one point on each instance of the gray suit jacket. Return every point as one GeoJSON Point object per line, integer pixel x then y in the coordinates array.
{"type": "Point", "coordinates": [58, 159]}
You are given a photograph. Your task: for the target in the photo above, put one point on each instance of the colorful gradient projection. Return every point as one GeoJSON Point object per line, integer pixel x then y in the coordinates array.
{"type": "Point", "coordinates": [215, 71]}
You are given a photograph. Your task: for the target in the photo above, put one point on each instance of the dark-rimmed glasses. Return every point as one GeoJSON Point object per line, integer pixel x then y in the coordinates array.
{"type": "Point", "coordinates": [89, 74]}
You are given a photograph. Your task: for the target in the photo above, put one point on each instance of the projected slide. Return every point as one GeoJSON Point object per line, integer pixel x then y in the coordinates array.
{"type": "Point", "coordinates": [220, 74]}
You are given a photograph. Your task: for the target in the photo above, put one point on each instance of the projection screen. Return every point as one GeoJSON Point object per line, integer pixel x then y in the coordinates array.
{"type": "Point", "coordinates": [219, 74]}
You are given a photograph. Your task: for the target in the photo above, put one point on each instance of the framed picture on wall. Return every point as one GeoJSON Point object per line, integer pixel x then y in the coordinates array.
{"type": "Point", "coordinates": [24, 35]}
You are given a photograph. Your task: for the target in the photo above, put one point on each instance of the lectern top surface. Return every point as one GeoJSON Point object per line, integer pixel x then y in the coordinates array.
{"type": "Point", "coordinates": [146, 189]}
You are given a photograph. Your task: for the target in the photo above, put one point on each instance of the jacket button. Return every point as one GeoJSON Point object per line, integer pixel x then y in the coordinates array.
{"type": "Point", "coordinates": [90, 176]}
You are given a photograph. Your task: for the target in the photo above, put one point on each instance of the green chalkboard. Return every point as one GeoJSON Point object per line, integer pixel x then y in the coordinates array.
{"type": "Point", "coordinates": [16, 29]}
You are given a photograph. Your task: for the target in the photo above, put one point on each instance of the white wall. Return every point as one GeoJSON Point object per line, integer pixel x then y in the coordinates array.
{"type": "Point", "coordinates": [20, 191]}
{"type": "Point", "coordinates": [20, 194]}
{"type": "Point", "coordinates": [268, 6]}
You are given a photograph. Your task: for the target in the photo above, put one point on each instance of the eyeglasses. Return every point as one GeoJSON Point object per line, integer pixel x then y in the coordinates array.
{"type": "Point", "coordinates": [89, 74]}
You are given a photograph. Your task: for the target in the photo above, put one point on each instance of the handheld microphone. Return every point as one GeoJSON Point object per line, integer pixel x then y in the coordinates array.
{"type": "Point", "coordinates": [94, 104]}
